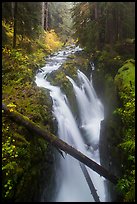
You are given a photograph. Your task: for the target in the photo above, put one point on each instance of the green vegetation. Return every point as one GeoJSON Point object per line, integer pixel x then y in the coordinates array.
{"type": "Point", "coordinates": [60, 19]}
{"type": "Point", "coordinates": [125, 78]}
{"type": "Point", "coordinates": [107, 33]}
{"type": "Point", "coordinates": [69, 68]}
{"type": "Point", "coordinates": [24, 154]}
{"type": "Point", "coordinates": [125, 82]}
{"type": "Point", "coordinates": [116, 74]}
{"type": "Point", "coordinates": [26, 158]}
{"type": "Point", "coordinates": [98, 24]}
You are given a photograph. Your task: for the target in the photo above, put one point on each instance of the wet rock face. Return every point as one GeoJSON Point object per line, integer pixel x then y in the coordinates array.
{"type": "Point", "coordinates": [110, 155]}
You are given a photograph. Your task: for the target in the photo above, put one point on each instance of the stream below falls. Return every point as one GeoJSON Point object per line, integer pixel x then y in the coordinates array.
{"type": "Point", "coordinates": [83, 134]}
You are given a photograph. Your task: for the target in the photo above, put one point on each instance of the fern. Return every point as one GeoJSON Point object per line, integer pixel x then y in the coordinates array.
{"type": "Point", "coordinates": [128, 145]}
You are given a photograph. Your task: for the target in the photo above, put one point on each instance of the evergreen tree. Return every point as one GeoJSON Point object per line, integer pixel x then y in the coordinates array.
{"type": "Point", "coordinates": [60, 18]}
{"type": "Point", "coordinates": [29, 18]}
{"type": "Point", "coordinates": [98, 23]}
{"type": "Point", "coordinates": [26, 17]}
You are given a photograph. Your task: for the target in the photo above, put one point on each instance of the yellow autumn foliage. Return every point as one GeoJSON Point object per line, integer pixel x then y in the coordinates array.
{"type": "Point", "coordinates": [52, 41]}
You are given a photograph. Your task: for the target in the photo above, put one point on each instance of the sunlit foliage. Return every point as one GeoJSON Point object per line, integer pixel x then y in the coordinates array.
{"type": "Point", "coordinates": [21, 150]}
{"type": "Point", "coordinates": [52, 41]}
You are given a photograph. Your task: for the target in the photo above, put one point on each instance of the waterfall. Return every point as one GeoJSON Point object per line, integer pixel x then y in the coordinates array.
{"type": "Point", "coordinates": [71, 185]}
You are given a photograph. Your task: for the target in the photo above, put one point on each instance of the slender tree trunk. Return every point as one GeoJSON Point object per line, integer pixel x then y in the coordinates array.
{"type": "Point", "coordinates": [12, 9]}
{"type": "Point", "coordinates": [42, 13]}
{"type": "Point", "coordinates": [46, 16]}
{"type": "Point", "coordinates": [96, 10]}
{"type": "Point", "coordinates": [90, 183]}
{"type": "Point", "coordinates": [106, 28]}
{"type": "Point", "coordinates": [59, 144]}
{"type": "Point", "coordinates": [15, 24]}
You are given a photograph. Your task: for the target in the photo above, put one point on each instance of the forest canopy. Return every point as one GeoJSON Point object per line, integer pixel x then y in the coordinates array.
{"type": "Point", "coordinates": [102, 23]}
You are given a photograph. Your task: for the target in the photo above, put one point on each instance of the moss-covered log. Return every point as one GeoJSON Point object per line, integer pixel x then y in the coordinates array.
{"type": "Point", "coordinates": [58, 143]}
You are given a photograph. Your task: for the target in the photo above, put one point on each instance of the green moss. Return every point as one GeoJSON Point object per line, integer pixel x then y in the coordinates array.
{"type": "Point", "coordinates": [117, 91]}
{"type": "Point", "coordinates": [125, 82]}
{"type": "Point", "coordinates": [20, 154]}
{"type": "Point", "coordinates": [125, 77]}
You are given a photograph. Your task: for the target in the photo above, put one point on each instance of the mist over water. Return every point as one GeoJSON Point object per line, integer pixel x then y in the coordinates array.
{"type": "Point", "coordinates": [71, 185]}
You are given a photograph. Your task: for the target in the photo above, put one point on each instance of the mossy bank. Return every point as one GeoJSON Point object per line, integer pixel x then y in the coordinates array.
{"type": "Point", "coordinates": [114, 82]}
{"type": "Point", "coordinates": [27, 159]}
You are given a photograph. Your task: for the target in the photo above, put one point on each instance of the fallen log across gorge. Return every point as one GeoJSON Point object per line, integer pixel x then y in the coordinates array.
{"type": "Point", "coordinates": [58, 143]}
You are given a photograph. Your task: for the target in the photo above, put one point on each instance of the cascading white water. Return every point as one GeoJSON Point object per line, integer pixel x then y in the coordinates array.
{"type": "Point", "coordinates": [71, 183]}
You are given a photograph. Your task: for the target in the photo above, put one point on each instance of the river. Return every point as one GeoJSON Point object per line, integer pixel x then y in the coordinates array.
{"type": "Point", "coordinates": [83, 134]}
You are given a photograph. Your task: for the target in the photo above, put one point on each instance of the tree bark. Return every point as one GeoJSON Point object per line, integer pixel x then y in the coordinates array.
{"type": "Point", "coordinates": [90, 183]}
{"type": "Point", "coordinates": [12, 9]}
{"type": "Point", "coordinates": [58, 143]}
{"type": "Point", "coordinates": [96, 10]}
{"type": "Point", "coordinates": [42, 13]}
{"type": "Point", "coordinates": [46, 16]}
{"type": "Point", "coordinates": [15, 24]}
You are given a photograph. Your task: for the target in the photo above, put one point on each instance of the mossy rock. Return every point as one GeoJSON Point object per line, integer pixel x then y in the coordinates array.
{"type": "Point", "coordinates": [125, 78]}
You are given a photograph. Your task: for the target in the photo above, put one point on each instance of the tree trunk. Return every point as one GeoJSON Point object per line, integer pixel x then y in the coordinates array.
{"type": "Point", "coordinates": [15, 24]}
{"type": "Point", "coordinates": [42, 14]}
{"type": "Point", "coordinates": [46, 16]}
{"type": "Point", "coordinates": [90, 183]}
{"type": "Point", "coordinates": [12, 9]}
{"type": "Point", "coordinates": [58, 143]}
{"type": "Point", "coordinates": [96, 10]}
